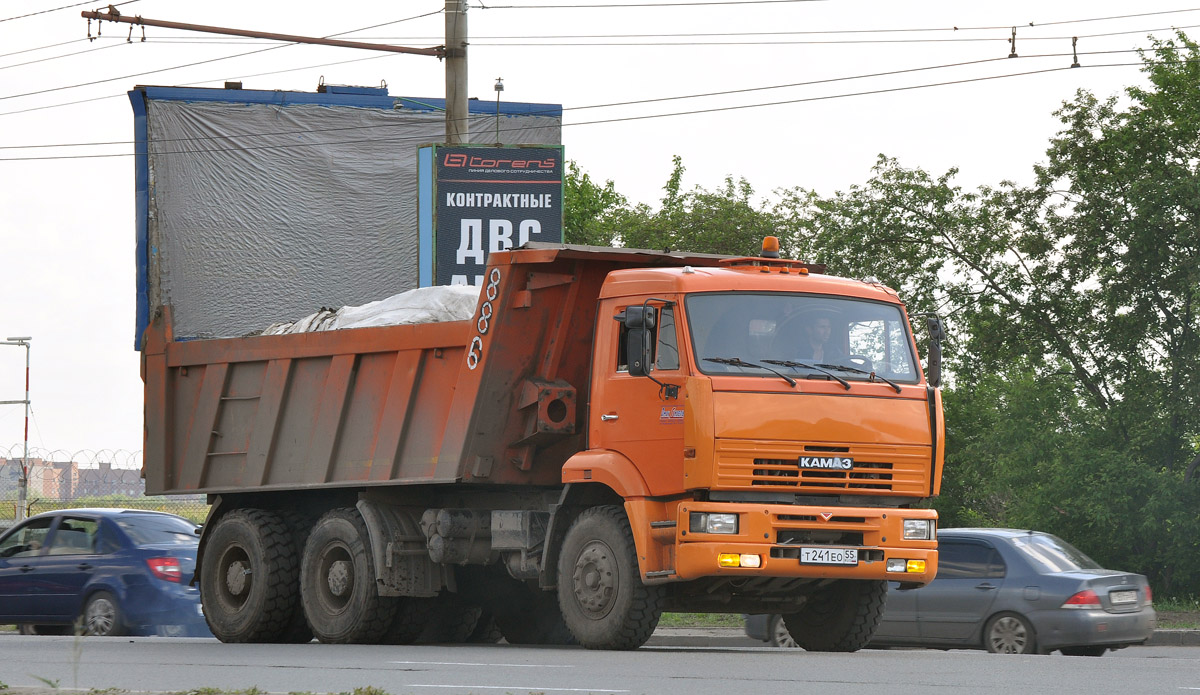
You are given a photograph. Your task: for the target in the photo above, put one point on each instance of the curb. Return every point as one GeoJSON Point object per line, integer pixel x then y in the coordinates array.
{"type": "Point", "coordinates": [736, 637]}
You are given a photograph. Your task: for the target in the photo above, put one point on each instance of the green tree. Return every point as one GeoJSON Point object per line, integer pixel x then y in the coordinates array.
{"type": "Point", "coordinates": [590, 211]}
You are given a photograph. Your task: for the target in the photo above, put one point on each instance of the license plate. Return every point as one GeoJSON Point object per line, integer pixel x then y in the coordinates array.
{"type": "Point", "coordinates": [1120, 597]}
{"type": "Point", "coordinates": [829, 556]}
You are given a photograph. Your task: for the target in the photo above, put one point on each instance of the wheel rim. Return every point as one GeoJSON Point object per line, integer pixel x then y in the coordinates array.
{"type": "Point", "coordinates": [101, 616]}
{"type": "Point", "coordinates": [335, 570]}
{"type": "Point", "coordinates": [236, 577]}
{"type": "Point", "coordinates": [595, 580]}
{"type": "Point", "coordinates": [782, 637]}
{"type": "Point", "coordinates": [1008, 636]}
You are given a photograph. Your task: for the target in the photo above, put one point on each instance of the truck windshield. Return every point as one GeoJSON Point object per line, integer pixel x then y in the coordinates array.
{"type": "Point", "coordinates": [806, 336]}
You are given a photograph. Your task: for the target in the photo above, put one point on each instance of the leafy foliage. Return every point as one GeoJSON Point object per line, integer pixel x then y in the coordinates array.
{"type": "Point", "coordinates": [1073, 306]}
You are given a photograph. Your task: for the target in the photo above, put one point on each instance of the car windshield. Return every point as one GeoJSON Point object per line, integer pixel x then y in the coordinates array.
{"type": "Point", "coordinates": [156, 529]}
{"type": "Point", "coordinates": [805, 336]}
{"type": "Point", "coordinates": [1052, 554]}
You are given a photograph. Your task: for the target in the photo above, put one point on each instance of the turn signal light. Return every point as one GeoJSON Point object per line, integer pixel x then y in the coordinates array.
{"type": "Point", "coordinates": [916, 566]}
{"type": "Point", "coordinates": [746, 560]}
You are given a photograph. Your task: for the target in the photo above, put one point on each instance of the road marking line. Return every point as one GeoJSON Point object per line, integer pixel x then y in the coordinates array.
{"type": "Point", "coordinates": [468, 663]}
{"type": "Point", "coordinates": [539, 689]}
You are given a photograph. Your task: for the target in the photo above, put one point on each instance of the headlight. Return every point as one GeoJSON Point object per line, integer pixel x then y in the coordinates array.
{"type": "Point", "coordinates": [703, 522]}
{"type": "Point", "coordinates": [918, 529]}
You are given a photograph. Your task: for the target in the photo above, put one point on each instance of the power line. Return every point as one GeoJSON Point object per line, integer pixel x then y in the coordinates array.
{"type": "Point", "coordinates": [481, 6]}
{"type": "Point", "coordinates": [599, 121]}
{"type": "Point", "coordinates": [64, 7]}
{"type": "Point", "coordinates": [65, 55]}
{"type": "Point", "coordinates": [41, 48]}
{"type": "Point", "coordinates": [201, 62]}
{"type": "Point", "coordinates": [637, 102]}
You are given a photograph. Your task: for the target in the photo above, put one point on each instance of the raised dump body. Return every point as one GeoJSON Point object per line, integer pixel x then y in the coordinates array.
{"type": "Point", "coordinates": [613, 434]}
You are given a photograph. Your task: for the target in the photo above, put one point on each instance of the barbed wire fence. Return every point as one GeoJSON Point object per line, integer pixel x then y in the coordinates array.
{"type": "Point", "coordinates": [60, 479]}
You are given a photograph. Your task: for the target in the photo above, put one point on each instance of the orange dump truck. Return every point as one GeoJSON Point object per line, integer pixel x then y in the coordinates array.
{"type": "Point", "coordinates": [615, 433]}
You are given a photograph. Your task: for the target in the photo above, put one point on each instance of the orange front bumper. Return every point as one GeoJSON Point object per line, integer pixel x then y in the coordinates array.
{"type": "Point", "coordinates": [759, 527]}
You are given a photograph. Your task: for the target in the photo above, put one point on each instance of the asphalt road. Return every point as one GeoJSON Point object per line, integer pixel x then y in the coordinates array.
{"type": "Point", "coordinates": [159, 665]}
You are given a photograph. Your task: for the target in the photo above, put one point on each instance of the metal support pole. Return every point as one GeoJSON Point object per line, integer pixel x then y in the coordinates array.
{"type": "Point", "coordinates": [457, 127]}
{"type": "Point", "coordinates": [23, 483]}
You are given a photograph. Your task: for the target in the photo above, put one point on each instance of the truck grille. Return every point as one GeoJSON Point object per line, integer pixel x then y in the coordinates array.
{"type": "Point", "coordinates": [875, 468]}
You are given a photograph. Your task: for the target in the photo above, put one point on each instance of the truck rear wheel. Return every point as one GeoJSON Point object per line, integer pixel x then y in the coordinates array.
{"type": "Point", "coordinates": [452, 620]}
{"type": "Point", "coordinates": [413, 614]}
{"type": "Point", "coordinates": [337, 582]}
{"type": "Point", "coordinates": [249, 584]}
{"type": "Point", "coordinates": [600, 590]}
{"type": "Point", "coordinates": [841, 617]}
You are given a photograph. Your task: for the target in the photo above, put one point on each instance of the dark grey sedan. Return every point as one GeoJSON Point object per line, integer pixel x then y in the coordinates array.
{"type": "Point", "coordinates": [1009, 591]}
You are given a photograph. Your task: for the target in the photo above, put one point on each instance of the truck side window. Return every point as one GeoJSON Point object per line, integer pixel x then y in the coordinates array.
{"type": "Point", "coordinates": [667, 351]}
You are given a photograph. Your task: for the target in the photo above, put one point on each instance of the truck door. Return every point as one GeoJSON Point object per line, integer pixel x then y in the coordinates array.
{"type": "Point", "coordinates": [633, 415]}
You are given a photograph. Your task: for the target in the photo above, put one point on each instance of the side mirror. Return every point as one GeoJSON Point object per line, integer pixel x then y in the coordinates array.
{"type": "Point", "coordinates": [936, 333]}
{"type": "Point", "coordinates": [639, 322]}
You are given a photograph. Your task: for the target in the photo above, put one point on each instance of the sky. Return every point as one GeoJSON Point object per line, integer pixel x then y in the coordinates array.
{"type": "Point", "coordinates": [785, 93]}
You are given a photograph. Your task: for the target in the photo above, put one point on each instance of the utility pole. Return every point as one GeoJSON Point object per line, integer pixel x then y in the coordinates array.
{"type": "Point", "coordinates": [457, 124]}
{"type": "Point", "coordinates": [23, 483]}
{"type": "Point", "coordinates": [454, 53]}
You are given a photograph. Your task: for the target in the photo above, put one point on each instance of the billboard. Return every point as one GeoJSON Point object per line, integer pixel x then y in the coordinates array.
{"type": "Point", "coordinates": [474, 200]}
{"type": "Point", "coordinates": [256, 207]}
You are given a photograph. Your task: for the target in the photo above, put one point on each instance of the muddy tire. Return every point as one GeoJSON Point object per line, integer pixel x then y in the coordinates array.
{"type": "Point", "coordinates": [337, 582]}
{"type": "Point", "coordinates": [249, 580]}
{"type": "Point", "coordinates": [841, 617]}
{"type": "Point", "coordinates": [600, 590]}
{"type": "Point", "coordinates": [297, 631]}
{"type": "Point", "coordinates": [412, 617]}
{"type": "Point", "coordinates": [451, 621]}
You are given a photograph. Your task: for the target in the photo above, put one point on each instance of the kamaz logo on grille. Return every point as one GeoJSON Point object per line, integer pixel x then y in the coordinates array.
{"type": "Point", "coordinates": [837, 463]}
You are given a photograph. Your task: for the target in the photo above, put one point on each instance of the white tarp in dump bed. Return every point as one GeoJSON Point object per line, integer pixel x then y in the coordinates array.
{"type": "Point", "coordinates": [423, 305]}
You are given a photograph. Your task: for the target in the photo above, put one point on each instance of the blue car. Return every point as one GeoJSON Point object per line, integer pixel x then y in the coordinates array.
{"type": "Point", "coordinates": [101, 572]}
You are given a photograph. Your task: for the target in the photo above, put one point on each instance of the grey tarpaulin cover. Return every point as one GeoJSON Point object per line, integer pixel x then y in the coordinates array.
{"type": "Point", "coordinates": [259, 212]}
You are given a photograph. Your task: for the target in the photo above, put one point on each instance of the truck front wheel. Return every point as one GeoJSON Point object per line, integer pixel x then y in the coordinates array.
{"type": "Point", "coordinates": [249, 580]}
{"type": "Point", "coordinates": [841, 617]}
{"type": "Point", "coordinates": [337, 582]}
{"type": "Point", "coordinates": [600, 590]}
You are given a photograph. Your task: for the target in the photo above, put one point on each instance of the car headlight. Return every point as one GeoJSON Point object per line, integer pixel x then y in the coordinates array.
{"type": "Point", "coordinates": [704, 522]}
{"type": "Point", "coordinates": [918, 529]}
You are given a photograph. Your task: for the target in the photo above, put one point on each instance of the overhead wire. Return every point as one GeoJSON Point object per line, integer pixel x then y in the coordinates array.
{"type": "Point", "coordinates": [204, 62]}
{"type": "Point", "coordinates": [391, 139]}
{"type": "Point", "coordinates": [64, 7]}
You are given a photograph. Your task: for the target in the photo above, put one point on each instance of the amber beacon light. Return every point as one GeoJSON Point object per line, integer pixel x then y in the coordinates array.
{"type": "Point", "coordinates": [770, 247]}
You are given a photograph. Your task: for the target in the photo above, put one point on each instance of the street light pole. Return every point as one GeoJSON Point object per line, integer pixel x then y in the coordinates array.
{"type": "Point", "coordinates": [23, 483]}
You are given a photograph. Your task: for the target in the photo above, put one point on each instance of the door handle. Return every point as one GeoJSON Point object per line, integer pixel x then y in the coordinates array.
{"type": "Point", "coordinates": [26, 568]}
{"type": "Point", "coordinates": [84, 566]}
{"type": "Point", "coordinates": [608, 416]}
{"type": "Point", "coordinates": [986, 586]}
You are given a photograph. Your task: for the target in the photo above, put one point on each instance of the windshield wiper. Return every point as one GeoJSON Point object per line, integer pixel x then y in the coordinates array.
{"type": "Point", "coordinates": [871, 376]}
{"type": "Point", "coordinates": [817, 368]}
{"type": "Point", "coordinates": [739, 362]}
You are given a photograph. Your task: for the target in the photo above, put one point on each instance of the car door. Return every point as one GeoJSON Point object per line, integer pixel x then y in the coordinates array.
{"type": "Point", "coordinates": [952, 607]}
{"type": "Point", "coordinates": [21, 550]}
{"type": "Point", "coordinates": [69, 562]}
{"type": "Point", "coordinates": [899, 621]}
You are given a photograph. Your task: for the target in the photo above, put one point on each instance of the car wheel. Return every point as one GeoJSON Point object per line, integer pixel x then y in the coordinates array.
{"type": "Point", "coordinates": [1009, 633]}
{"type": "Point", "coordinates": [1084, 651]}
{"type": "Point", "coordinates": [600, 589]}
{"type": "Point", "coordinates": [451, 620]}
{"type": "Point", "coordinates": [840, 617]}
{"type": "Point", "coordinates": [337, 582]}
{"type": "Point", "coordinates": [102, 616]}
{"type": "Point", "coordinates": [777, 633]}
{"type": "Point", "coordinates": [248, 578]}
